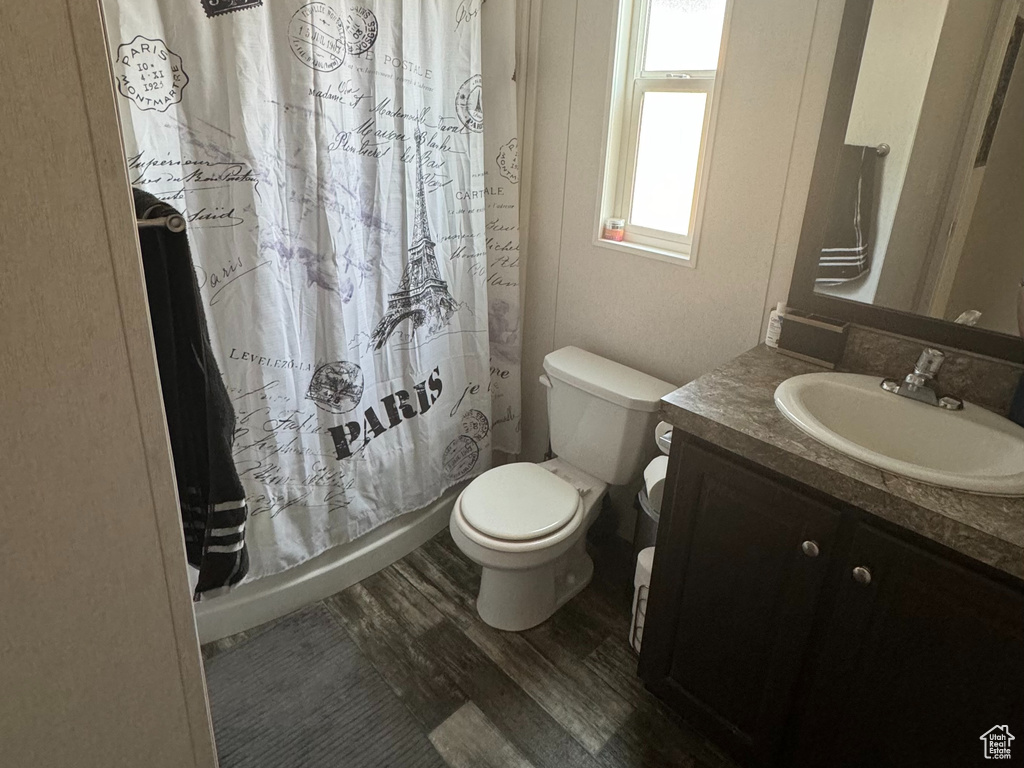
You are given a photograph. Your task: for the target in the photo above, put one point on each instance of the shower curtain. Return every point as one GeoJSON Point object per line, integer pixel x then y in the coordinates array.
{"type": "Point", "coordinates": [353, 216]}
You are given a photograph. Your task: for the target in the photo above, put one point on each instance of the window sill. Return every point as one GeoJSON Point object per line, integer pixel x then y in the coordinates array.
{"type": "Point", "coordinates": [658, 254]}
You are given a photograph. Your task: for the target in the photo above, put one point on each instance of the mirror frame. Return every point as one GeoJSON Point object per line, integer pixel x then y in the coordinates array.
{"type": "Point", "coordinates": [838, 104]}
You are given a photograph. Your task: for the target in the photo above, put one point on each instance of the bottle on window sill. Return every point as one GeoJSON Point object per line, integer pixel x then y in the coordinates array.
{"type": "Point", "coordinates": [615, 229]}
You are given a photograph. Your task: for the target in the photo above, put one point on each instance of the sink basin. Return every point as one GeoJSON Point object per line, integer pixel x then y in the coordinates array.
{"type": "Point", "coordinates": [971, 450]}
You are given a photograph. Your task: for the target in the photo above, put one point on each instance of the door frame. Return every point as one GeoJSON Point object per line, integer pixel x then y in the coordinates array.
{"type": "Point", "coordinates": [962, 195]}
{"type": "Point", "coordinates": [101, 658]}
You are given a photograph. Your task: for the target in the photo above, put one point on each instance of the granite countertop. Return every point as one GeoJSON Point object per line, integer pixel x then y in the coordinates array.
{"type": "Point", "coordinates": [734, 407]}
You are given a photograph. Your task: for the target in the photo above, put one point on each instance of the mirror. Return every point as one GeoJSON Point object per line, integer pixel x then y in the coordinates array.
{"type": "Point", "coordinates": [922, 168]}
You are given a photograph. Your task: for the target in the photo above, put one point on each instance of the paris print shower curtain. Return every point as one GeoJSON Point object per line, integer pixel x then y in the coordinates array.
{"type": "Point", "coordinates": [352, 211]}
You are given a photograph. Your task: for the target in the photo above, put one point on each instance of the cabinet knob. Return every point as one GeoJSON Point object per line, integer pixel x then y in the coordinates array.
{"type": "Point", "coordinates": [861, 575]}
{"type": "Point", "coordinates": [810, 548]}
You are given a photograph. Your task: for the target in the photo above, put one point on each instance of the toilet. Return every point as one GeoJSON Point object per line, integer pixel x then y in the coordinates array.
{"type": "Point", "coordinates": [525, 524]}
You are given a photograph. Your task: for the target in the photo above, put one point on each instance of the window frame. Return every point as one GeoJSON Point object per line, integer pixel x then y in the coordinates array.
{"type": "Point", "coordinates": [628, 85]}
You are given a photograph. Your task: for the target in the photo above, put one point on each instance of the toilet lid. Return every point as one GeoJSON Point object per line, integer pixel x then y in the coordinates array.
{"type": "Point", "coordinates": [517, 502]}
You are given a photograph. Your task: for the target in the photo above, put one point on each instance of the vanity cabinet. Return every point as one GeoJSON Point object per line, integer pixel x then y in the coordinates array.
{"type": "Point", "coordinates": [916, 661]}
{"type": "Point", "coordinates": [740, 569]}
{"type": "Point", "coordinates": [793, 631]}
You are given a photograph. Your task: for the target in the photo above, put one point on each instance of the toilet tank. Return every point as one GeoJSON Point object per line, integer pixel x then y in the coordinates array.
{"type": "Point", "coordinates": [601, 414]}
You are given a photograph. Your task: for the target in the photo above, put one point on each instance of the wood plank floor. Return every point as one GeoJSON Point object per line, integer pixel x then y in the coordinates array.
{"type": "Point", "coordinates": [561, 695]}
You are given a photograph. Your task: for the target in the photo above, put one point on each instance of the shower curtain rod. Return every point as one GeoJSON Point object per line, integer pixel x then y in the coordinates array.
{"type": "Point", "coordinates": [174, 222]}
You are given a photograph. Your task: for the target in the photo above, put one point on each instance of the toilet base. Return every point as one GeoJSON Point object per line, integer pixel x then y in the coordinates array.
{"type": "Point", "coordinates": [516, 600]}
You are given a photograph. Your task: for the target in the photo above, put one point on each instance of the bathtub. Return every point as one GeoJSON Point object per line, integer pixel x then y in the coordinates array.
{"type": "Point", "coordinates": [256, 602]}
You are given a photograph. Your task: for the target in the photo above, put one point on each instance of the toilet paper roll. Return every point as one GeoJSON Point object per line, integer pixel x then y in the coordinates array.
{"type": "Point", "coordinates": [654, 481]}
{"type": "Point", "coordinates": [663, 436]}
{"type": "Point", "coordinates": [644, 566]}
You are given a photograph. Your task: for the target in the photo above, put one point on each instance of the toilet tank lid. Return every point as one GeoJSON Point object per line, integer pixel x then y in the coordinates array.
{"type": "Point", "coordinates": [606, 379]}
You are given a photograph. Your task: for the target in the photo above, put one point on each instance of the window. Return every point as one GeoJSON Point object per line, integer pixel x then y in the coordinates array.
{"type": "Point", "coordinates": [667, 62]}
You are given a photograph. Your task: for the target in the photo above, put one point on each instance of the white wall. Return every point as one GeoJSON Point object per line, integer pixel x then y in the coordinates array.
{"type": "Point", "coordinates": [899, 51]}
{"type": "Point", "coordinates": [99, 660]}
{"type": "Point", "coordinates": [993, 258]}
{"type": "Point", "coordinates": [671, 321]}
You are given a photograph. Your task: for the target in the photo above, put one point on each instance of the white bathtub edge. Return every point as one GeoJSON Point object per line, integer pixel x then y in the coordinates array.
{"type": "Point", "coordinates": [336, 569]}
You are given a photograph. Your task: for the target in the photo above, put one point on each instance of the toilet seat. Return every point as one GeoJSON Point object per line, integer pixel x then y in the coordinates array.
{"type": "Point", "coordinates": [519, 502]}
{"type": "Point", "coordinates": [549, 542]}
{"type": "Point", "coordinates": [518, 508]}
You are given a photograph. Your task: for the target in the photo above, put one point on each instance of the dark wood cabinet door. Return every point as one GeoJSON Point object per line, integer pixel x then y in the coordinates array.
{"type": "Point", "coordinates": [915, 665]}
{"type": "Point", "coordinates": [732, 599]}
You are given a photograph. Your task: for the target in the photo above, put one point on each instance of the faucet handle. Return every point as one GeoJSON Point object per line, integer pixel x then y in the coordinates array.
{"type": "Point", "coordinates": [929, 363]}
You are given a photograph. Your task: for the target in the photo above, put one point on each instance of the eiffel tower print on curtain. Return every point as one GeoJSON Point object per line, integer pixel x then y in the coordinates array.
{"type": "Point", "coordinates": [422, 295]}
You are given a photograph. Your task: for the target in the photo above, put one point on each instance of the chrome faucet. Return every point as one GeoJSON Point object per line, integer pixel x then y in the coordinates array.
{"type": "Point", "coordinates": [920, 385]}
